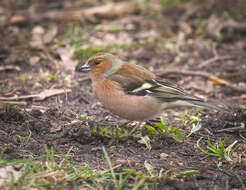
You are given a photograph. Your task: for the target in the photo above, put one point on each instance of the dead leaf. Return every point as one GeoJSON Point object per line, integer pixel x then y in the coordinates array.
{"type": "Point", "coordinates": [34, 60]}
{"type": "Point", "coordinates": [185, 27]}
{"type": "Point", "coordinates": [175, 164]}
{"type": "Point", "coordinates": [41, 96]}
{"type": "Point", "coordinates": [229, 150]}
{"type": "Point", "coordinates": [9, 67]}
{"type": "Point", "coordinates": [201, 85]}
{"type": "Point", "coordinates": [217, 24]}
{"type": "Point", "coordinates": [214, 59]}
{"type": "Point", "coordinates": [50, 92]}
{"type": "Point", "coordinates": [49, 36]}
{"type": "Point", "coordinates": [217, 80]}
{"type": "Point", "coordinates": [13, 102]}
{"type": "Point", "coordinates": [163, 156]}
{"type": "Point", "coordinates": [243, 96]}
{"type": "Point", "coordinates": [242, 148]}
{"type": "Point", "coordinates": [146, 141]}
{"type": "Point", "coordinates": [6, 174]}
{"type": "Point", "coordinates": [40, 36]}
{"type": "Point", "coordinates": [110, 10]}
{"type": "Point", "coordinates": [243, 162]}
{"type": "Point", "coordinates": [67, 62]}
{"type": "Point", "coordinates": [130, 163]}
{"type": "Point", "coordinates": [111, 39]}
{"type": "Point", "coordinates": [37, 37]}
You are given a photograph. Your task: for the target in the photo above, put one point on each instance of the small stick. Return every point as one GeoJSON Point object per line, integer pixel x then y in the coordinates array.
{"type": "Point", "coordinates": [205, 75]}
{"type": "Point", "coordinates": [214, 59]}
{"type": "Point", "coordinates": [232, 129]}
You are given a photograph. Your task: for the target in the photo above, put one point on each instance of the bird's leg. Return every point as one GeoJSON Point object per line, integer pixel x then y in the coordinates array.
{"type": "Point", "coordinates": [125, 124]}
{"type": "Point", "coordinates": [152, 122]}
{"type": "Point", "coordinates": [137, 126]}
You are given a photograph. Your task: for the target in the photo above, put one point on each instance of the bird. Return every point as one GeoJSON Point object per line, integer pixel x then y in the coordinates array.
{"type": "Point", "coordinates": [132, 91]}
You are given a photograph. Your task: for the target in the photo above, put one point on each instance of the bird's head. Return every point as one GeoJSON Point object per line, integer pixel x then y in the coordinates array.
{"type": "Point", "coordinates": [101, 65]}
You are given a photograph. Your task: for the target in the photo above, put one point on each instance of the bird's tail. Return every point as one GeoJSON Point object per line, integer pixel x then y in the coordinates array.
{"type": "Point", "coordinates": [172, 96]}
{"type": "Point", "coordinates": [193, 103]}
{"type": "Point", "coordinates": [208, 105]}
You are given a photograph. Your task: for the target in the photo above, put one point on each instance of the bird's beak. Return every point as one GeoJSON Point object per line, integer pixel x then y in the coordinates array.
{"type": "Point", "coordinates": [83, 67]}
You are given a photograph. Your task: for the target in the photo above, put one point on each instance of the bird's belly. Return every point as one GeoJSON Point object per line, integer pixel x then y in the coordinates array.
{"type": "Point", "coordinates": [131, 107]}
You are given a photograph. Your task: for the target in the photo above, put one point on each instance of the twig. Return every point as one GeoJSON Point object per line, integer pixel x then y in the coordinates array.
{"type": "Point", "coordinates": [13, 102]}
{"type": "Point", "coordinates": [232, 129]}
{"type": "Point", "coordinates": [186, 73]}
{"type": "Point", "coordinates": [233, 175]}
{"type": "Point", "coordinates": [109, 10]}
{"type": "Point", "coordinates": [227, 184]}
{"type": "Point", "coordinates": [205, 75]}
{"type": "Point", "coordinates": [241, 181]}
{"type": "Point", "coordinates": [41, 96]}
{"type": "Point", "coordinates": [227, 173]}
{"type": "Point", "coordinates": [9, 67]}
{"type": "Point", "coordinates": [214, 59]}
{"type": "Point", "coordinates": [86, 78]}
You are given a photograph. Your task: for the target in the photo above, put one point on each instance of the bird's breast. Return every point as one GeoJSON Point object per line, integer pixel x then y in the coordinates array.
{"type": "Point", "coordinates": [127, 106]}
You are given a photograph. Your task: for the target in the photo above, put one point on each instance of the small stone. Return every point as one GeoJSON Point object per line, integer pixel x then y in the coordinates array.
{"type": "Point", "coordinates": [163, 156]}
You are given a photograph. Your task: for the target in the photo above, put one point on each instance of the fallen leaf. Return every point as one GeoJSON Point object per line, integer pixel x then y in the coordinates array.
{"type": "Point", "coordinates": [195, 127]}
{"type": "Point", "coordinates": [37, 37]}
{"type": "Point", "coordinates": [130, 163]}
{"type": "Point", "coordinates": [13, 102]}
{"type": "Point", "coordinates": [175, 164]}
{"type": "Point", "coordinates": [229, 150]}
{"type": "Point", "coordinates": [243, 162]}
{"type": "Point", "coordinates": [146, 141]}
{"type": "Point", "coordinates": [185, 27]}
{"type": "Point", "coordinates": [7, 174]}
{"type": "Point", "coordinates": [17, 19]}
{"type": "Point", "coordinates": [201, 85]}
{"type": "Point", "coordinates": [110, 10]}
{"type": "Point", "coordinates": [217, 24]}
{"type": "Point", "coordinates": [243, 96]}
{"type": "Point", "coordinates": [41, 96]}
{"type": "Point", "coordinates": [67, 62]}
{"type": "Point", "coordinates": [34, 60]}
{"type": "Point", "coordinates": [163, 156]}
{"type": "Point", "coordinates": [41, 37]}
{"type": "Point", "coordinates": [150, 169]}
{"type": "Point", "coordinates": [49, 36]}
{"type": "Point", "coordinates": [9, 67]}
{"type": "Point", "coordinates": [217, 80]}
{"type": "Point", "coordinates": [50, 92]}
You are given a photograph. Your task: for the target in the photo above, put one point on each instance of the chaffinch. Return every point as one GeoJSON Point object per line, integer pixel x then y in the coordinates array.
{"type": "Point", "coordinates": [131, 91]}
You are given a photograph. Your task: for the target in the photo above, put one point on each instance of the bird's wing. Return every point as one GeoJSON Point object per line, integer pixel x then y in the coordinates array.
{"type": "Point", "coordinates": [136, 80]}
{"type": "Point", "coordinates": [162, 90]}
{"type": "Point", "coordinates": [166, 91]}
{"type": "Point", "coordinates": [131, 77]}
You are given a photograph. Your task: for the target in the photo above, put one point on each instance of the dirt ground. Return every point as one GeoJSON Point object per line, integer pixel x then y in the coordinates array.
{"type": "Point", "coordinates": [163, 41]}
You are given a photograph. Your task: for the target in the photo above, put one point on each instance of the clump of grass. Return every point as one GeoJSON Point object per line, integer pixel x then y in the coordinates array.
{"type": "Point", "coordinates": [173, 3]}
{"type": "Point", "coordinates": [188, 119]}
{"type": "Point", "coordinates": [218, 149]}
{"type": "Point", "coordinates": [193, 120]}
{"type": "Point", "coordinates": [146, 141]}
{"type": "Point", "coordinates": [84, 54]}
{"type": "Point", "coordinates": [50, 174]}
{"type": "Point", "coordinates": [115, 132]}
{"type": "Point", "coordinates": [164, 129]}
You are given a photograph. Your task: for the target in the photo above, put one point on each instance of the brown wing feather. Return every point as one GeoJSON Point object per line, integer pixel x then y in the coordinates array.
{"type": "Point", "coordinates": [131, 76]}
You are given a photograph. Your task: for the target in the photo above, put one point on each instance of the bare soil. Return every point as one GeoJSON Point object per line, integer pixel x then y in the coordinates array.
{"type": "Point", "coordinates": [26, 130]}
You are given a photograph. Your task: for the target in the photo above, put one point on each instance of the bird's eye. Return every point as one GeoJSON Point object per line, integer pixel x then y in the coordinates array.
{"type": "Point", "coordinates": [96, 62]}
